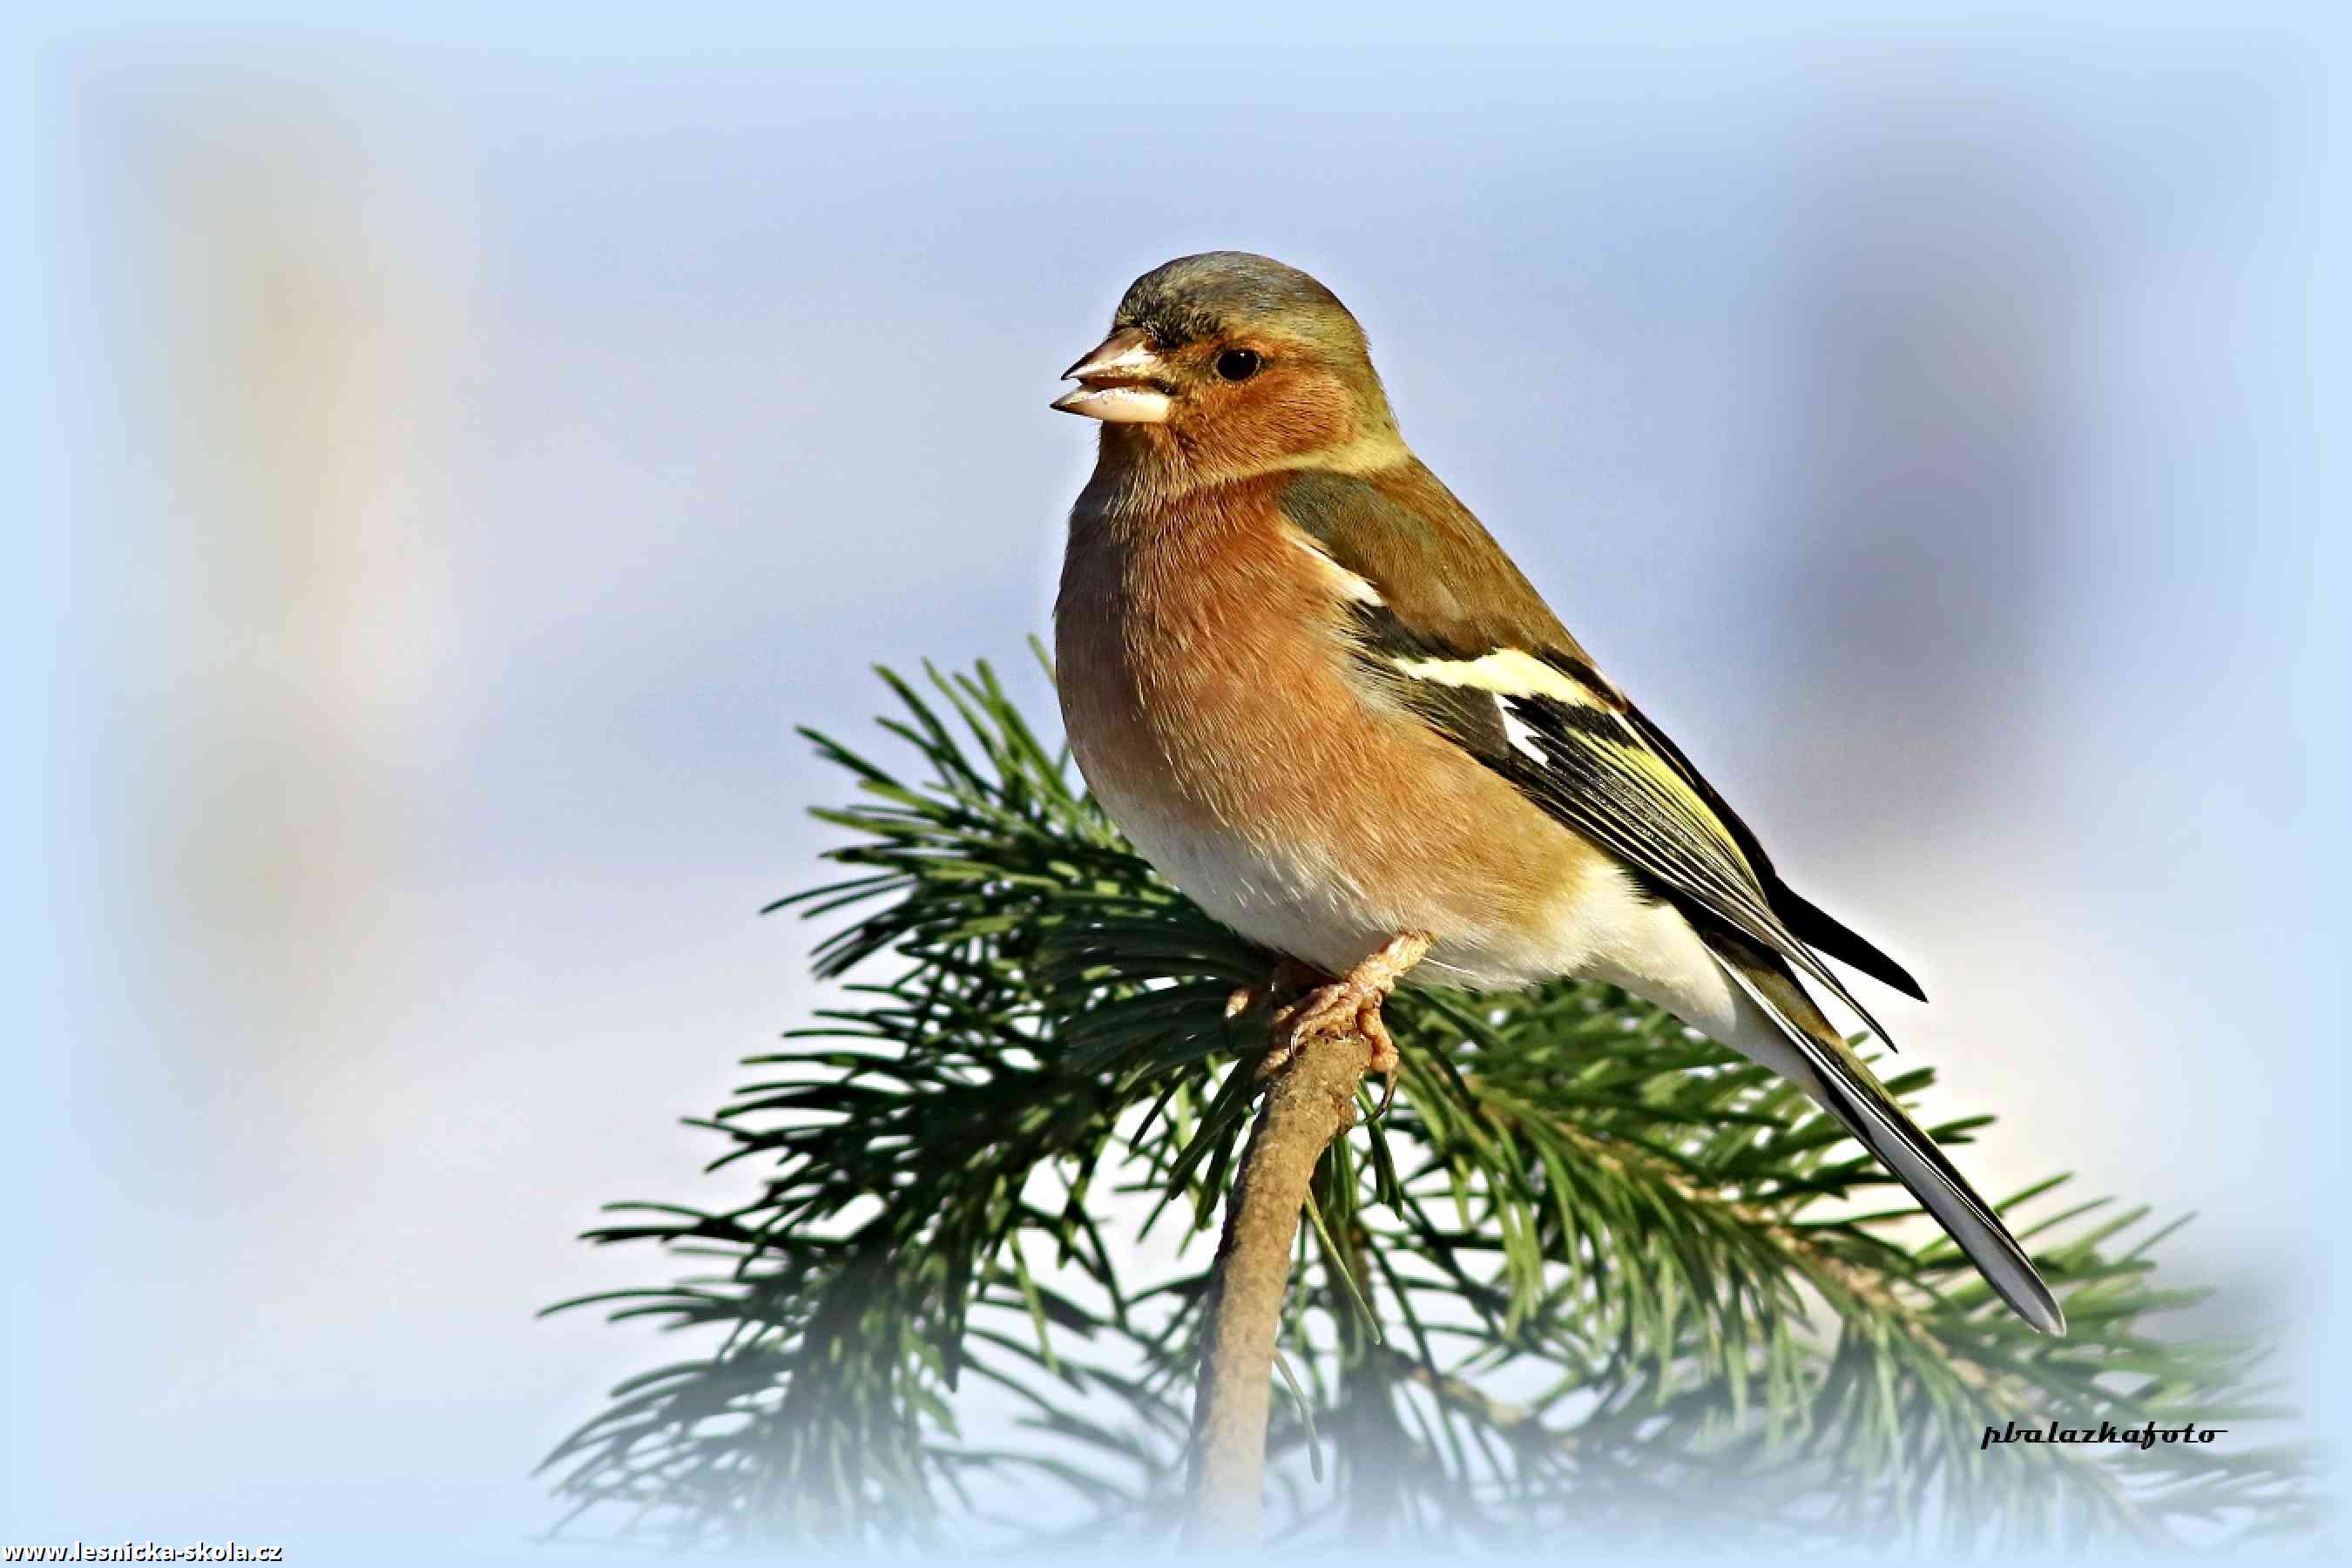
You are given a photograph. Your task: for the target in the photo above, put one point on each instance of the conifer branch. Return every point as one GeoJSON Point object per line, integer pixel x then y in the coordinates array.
{"type": "Point", "coordinates": [1593, 1273]}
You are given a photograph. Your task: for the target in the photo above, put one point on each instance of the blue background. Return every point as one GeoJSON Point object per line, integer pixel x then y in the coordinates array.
{"type": "Point", "coordinates": [459, 449]}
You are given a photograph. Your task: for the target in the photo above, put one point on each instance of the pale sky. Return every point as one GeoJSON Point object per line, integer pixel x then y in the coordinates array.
{"type": "Point", "coordinates": [463, 451]}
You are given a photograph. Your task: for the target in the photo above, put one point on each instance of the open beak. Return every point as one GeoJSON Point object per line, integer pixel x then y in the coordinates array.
{"type": "Point", "coordinates": [1122, 381]}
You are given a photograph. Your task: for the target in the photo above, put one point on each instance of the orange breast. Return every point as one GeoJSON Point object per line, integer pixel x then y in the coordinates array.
{"type": "Point", "coordinates": [1207, 685]}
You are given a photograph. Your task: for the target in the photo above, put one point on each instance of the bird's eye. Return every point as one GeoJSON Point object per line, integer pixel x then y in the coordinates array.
{"type": "Point", "coordinates": [1238, 364]}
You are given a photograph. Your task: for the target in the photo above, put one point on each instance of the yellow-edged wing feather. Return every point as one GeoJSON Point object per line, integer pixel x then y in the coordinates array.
{"type": "Point", "coordinates": [1451, 628]}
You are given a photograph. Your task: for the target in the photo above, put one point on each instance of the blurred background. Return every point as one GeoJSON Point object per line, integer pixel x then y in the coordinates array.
{"type": "Point", "coordinates": [457, 452]}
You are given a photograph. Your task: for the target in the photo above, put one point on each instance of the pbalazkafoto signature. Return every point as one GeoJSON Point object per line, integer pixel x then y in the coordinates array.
{"type": "Point", "coordinates": [2146, 1437]}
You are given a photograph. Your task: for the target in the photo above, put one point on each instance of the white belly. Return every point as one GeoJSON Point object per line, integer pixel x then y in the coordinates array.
{"type": "Point", "coordinates": [1303, 901]}
{"type": "Point", "coordinates": [1284, 897]}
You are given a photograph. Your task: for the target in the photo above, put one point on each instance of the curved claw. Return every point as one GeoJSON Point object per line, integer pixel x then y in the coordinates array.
{"type": "Point", "coordinates": [1288, 978]}
{"type": "Point", "coordinates": [1351, 1005]}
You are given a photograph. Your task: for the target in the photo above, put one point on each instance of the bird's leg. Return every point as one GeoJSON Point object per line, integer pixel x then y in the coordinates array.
{"type": "Point", "coordinates": [1288, 978]}
{"type": "Point", "coordinates": [1349, 1006]}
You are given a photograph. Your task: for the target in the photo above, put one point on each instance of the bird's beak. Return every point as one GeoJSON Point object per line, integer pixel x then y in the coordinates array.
{"type": "Point", "coordinates": [1122, 381]}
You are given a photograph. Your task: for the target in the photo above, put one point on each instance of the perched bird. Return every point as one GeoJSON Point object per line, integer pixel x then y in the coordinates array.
{"type": "Point", "coordinates": [1321, 700]}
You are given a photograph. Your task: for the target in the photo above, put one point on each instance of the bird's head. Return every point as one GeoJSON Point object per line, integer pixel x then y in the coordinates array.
{"type": "Point", "coordinates": [1226, 364]}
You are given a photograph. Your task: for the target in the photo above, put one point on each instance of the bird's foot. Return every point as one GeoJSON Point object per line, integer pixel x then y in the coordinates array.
{"type": "Point", "coordinates": [1290, 977]}
{"type": "Point", "coordinates": [1348, 1006]}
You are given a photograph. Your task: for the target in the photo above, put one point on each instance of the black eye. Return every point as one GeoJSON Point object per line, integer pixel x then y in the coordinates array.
{"type": "Point", "coordinates": [1237, 364]}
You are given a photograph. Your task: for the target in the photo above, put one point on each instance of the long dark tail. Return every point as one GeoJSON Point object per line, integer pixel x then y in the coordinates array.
{"type": "Point", "coordinates": [1825, 1066]}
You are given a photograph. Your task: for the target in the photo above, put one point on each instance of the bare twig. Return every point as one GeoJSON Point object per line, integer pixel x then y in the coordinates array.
{"type": "Point", "coordinates": [1313, 1101]}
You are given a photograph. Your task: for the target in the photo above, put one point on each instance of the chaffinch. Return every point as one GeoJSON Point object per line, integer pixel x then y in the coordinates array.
{"type": "Point", "coordinates": [1320, 699]}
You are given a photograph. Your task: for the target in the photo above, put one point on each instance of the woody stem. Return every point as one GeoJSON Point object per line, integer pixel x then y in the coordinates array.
{"type": "Point", "coordinates": [1311, 1103]}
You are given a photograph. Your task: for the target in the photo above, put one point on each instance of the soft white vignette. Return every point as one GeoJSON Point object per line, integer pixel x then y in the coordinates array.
{"type": "Point", "coordinates": [461, 457]}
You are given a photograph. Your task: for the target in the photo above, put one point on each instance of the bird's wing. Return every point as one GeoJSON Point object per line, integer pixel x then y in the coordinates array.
{"type": "Point", "coordinates": [1451, 630]}
{"type": "Point", "coordinates": [1811, 924]}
